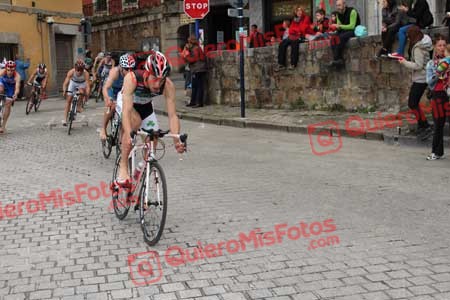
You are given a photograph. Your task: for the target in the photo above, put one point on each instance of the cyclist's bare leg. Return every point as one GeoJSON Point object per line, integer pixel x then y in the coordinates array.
{"type": "Point", "coordinates": [126, 145]}
{"type": "Point", "coordinates": [82, 91]}
{"type": "Point", "coordinates": [6, 116]}
{"type": "Point", "coordinates": [106, 117]}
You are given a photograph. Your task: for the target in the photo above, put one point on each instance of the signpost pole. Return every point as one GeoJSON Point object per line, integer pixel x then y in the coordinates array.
{"type": "Point", "coordinates": [241, 54]}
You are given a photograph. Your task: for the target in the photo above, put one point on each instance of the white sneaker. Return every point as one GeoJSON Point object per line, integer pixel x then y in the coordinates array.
{"type": "Point", "coordinates": [433, 156]}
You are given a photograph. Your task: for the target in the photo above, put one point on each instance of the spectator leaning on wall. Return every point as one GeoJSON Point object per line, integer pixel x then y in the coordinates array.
{"type": "Point", "coordinates": [420, 47]}
{"type": "Point", "coordinates": [347, 20]}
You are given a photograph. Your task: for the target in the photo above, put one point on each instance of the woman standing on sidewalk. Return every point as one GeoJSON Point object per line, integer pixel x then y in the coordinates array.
{"type": "Point", "coordinates": [420, 47]}
{"type": "Point", "coordinates": [439, 98]}
{"type": "Point", "coordinates": [197, 63]}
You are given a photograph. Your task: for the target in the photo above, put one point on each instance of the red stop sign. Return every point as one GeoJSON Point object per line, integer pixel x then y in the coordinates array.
{"type": "Point", "coordinates": [196, 9]}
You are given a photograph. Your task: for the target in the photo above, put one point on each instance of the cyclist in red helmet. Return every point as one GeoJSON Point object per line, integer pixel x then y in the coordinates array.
{"type": "Point", "coordinates": [134, 103]}
{"type": "Point", "coordinates": [10, 87]}
{"type": "Point", "coordinates": [77, 77]}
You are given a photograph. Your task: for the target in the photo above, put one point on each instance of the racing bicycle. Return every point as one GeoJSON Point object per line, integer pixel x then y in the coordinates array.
{"type": "Point", "coordinates": [34, 99]}
{"type": "Point", "coordinates": [148, 180]}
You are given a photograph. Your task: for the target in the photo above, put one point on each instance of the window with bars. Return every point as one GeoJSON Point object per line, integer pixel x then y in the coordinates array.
{"type": "Point", "coordinates": [101, 5]}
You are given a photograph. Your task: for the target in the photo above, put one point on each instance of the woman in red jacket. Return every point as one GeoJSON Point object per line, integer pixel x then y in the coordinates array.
{"type": "Point", "coordinates": [300, 26]}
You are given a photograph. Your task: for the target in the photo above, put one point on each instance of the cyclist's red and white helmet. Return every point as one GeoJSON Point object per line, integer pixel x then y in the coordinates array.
{"type": "Point", "coordinates": [157, 65]}
{"type": "Point", "coordinates": [127, 61]}
{"type": "Point", "coordinates": [79, 65]}
{"type": "Point", "coordinates": [10, 64]}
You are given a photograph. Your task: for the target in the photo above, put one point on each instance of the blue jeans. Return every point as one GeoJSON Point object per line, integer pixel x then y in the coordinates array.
{"type": "Point", "coordinates": [402, 39]}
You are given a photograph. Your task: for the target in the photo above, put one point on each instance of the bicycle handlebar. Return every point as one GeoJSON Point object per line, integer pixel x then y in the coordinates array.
{"type": "Point", "coordinates": [159, 134]}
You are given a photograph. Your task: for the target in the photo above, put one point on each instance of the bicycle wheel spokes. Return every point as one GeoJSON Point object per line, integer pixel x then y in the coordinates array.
{"type": "Point", "coordinates": [153, 205]}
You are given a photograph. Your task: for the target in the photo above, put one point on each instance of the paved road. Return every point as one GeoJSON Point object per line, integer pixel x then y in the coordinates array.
{"type": "Point", "coordinates": [274, 221]}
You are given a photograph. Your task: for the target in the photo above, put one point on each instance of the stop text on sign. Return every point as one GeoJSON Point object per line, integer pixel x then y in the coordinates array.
{"type": "Point", "coordinates": [197, 5]}
{"type": "Point", "coordinates": [196, 9]}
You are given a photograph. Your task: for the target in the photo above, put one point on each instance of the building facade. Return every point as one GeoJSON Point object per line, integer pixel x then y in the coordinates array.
{"type": "Point", "coordinates": [134, 25]}
{"type": "Point", "coordinates": [45, 31]}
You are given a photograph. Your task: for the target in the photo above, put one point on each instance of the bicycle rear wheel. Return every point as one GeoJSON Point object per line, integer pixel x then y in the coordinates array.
{"type": "Point", "coordinates": [153, 204]}
{"type": "Point", "coordinates": [120, 196]}
{"type": "Point", "coordinates": [30, 104]}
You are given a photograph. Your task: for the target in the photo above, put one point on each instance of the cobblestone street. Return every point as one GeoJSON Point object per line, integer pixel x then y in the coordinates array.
{"type": "Point", "coordinates": [370, 221]}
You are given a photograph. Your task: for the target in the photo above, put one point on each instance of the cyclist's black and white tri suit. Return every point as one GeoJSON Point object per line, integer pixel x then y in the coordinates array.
{"type": "Point", "coordinates": [40, 76]}
{"type": "Point", "coordinates": [77, 82]}
{"type": "Point", "coordinates": [142, 102]}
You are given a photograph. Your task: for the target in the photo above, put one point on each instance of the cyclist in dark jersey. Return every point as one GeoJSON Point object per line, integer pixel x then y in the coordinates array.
{"type": "Point", "coordinates": [134, 103]}
{"type": "Point", "coordinates": [113, 85]}
{"type": "Point", "coordinates": [40, 76]}
{"type": "Point", "coordinates": [10, 87]}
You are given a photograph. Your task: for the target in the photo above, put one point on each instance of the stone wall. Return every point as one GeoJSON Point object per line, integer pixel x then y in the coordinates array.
{"type": "Point", "coordinates": [365, 82]}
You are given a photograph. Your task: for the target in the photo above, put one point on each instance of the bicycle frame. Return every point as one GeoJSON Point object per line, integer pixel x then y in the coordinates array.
{"type": "Point", "coordinates": [149, 156]}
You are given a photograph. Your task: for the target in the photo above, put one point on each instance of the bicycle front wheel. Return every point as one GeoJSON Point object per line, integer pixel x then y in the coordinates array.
{"type": "Point", "coordinates": [72, 112]}
{"type": "Point", "coordinates": [153, 204]}
{"type": "Point", "coordinates": [30, 104]}
{"type": "Point", "coordinates": [120, 196]}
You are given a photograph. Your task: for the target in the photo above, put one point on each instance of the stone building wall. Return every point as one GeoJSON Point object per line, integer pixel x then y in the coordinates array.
{"type": "Point", "coordinates": [365, 82]}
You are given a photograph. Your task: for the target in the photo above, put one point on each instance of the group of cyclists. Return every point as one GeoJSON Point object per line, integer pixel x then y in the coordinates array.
{"type": "Point", "coordinates": [10, 86]}
{"type": "Point", "coordinates": [130, 91]}
{"type": "Point", "coordinates": [126, 89]}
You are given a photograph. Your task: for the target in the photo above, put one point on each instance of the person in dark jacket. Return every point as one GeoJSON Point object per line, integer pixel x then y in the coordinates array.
{"type": "Point", "coordinates": [193, 53]}
{"type": "Point", "coordinates": [419, 14]}
{"type": "Point", "coordinates": [393, 20]}
{"type": "Point", "coordinates": [347, 20]}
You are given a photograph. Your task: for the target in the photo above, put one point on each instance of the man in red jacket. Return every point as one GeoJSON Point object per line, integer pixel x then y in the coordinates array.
{"type": "Point", "coordinates": [300, 26]}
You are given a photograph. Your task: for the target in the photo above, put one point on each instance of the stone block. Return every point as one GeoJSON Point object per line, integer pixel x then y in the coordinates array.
{"type": "Point", "coordinates": [387, 98]}
{"type": "Point", "coordinates": [264, 97]}
{"type": "Point", "coordinates": [390, 66]}
{"type": "Point", "coordinates": [355, 65]}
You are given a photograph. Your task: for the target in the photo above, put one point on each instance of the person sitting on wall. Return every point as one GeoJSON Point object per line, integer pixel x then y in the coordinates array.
{"type": "Point", "coordinates": [256, 38]}
{"type": "Point", "coordinates": [300, 26]}
{"type": "Point", "coordinates": [347, 20]}
{"type": "Point", "coordinates": [319, 27]}
{"type": "Point", "coordinates": [419, 14]}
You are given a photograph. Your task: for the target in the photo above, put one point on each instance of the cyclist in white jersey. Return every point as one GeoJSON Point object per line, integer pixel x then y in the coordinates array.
{"type": "Point", "coordinates": [78, 77]}
{"type": "Point", "coordinates": [134, 103]}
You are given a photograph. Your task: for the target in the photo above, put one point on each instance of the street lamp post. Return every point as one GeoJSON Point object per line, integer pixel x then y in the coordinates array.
{"type": "Point", "coordinates": [241, 54]}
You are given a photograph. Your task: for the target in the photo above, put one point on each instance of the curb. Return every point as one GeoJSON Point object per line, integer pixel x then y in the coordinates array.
{"type": "Point", "coordinates": [375, 136]}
